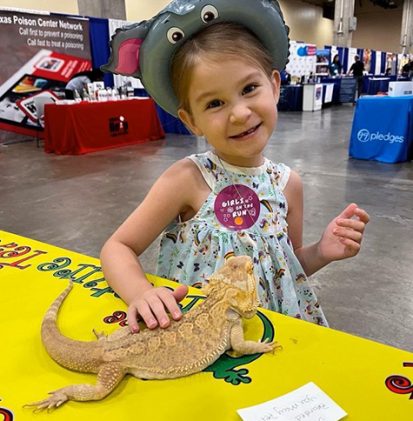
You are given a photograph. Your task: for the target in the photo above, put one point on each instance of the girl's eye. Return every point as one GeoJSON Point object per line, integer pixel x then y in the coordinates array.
{"type": "Point", "coordinates": [249, 88]}
{"type": "Point", "coordinates": [214, 104]}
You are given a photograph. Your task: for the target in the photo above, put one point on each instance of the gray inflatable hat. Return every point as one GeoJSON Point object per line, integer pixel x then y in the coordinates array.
{"type": "Point", "coordinates": [145, 50]}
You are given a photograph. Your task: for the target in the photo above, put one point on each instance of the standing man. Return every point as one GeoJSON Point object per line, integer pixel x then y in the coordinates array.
{"type": "Point", "coordinates": [357, 69]}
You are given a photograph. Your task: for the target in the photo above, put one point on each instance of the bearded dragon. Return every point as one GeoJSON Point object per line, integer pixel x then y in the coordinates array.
{"type": "Point", "coordinates": [187, 346]}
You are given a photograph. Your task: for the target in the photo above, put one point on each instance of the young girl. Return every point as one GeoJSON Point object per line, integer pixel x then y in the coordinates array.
{"type": "Point", "coordinates": [230, 200]}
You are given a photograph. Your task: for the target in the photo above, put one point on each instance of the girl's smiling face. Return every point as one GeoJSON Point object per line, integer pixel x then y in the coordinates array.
{"type": "Point", "coordinates": [233, 104]}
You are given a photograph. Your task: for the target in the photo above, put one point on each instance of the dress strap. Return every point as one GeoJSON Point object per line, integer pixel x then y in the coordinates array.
{"type": "Point", "coordinates": [282, 172]}
{"type": "Point", "coordinates": [207, 168]}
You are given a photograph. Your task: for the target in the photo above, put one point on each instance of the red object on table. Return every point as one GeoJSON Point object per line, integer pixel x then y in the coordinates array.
{"type": "Point", "coordinates": [74, 129]}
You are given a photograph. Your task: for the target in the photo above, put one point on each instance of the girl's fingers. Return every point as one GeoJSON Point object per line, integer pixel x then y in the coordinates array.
{"type": "Point", "coordinates": [154, 306]}
{"type": "Point", "coordinates": [145, 311]}
{"type": "Point", "coordinates": [352, 246]}
{"type": "Point", "coordinates": [132, 315]}
{"type": "Point", "coordinates": [171, 304]}
{"type": "Point", "coordinates": [362, 215]}
{"type": "Point", "coordinates": [349, 234]}
{"type": "Point", "coordinates": [355, 224]}
{"type": "Point", "coordinates": [158, 309]}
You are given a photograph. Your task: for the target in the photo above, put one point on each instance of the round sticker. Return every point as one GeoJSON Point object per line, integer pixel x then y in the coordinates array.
{"type": "Point", "coordinates": [237, 207]}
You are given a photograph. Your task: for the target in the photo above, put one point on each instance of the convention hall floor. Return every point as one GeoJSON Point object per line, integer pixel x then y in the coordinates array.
{"type": "Point", "coordinates": [76, 202]}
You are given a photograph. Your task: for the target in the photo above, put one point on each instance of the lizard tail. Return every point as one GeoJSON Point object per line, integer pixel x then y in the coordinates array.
{"type": "Point", "coordinates": [73, 354]}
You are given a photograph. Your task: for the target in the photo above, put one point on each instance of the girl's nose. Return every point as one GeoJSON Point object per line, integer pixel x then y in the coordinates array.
{"type": "Point", "coordinates": [240, 113]}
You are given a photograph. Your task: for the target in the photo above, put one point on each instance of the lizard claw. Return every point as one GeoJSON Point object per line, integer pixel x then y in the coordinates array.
{"type": "Point", "coordinates": [267, 346]}
{"type": "Point", "coordinates": [56, 399]}
{"type": "Point", "coordinates": [99, 335]}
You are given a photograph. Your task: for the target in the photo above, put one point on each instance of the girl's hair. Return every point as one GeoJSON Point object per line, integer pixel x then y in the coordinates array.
{"type": "Point", "coordinates": [221, 38]}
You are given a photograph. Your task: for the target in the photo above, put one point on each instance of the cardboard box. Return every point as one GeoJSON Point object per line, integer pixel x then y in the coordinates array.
{"type": "Point", "coordinates": [400, 88]}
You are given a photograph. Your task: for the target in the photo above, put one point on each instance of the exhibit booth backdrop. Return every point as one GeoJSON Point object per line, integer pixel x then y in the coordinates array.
{"type": "Point", "coordinates": [41, 51]}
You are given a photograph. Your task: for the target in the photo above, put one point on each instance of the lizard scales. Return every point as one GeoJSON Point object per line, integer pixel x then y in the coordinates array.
{"type": "Point", "coordinates": [186, 347]}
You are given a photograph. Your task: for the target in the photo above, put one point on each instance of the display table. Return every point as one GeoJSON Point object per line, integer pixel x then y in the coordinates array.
{"type": "Point", "coordinates": [382, 129]}
{"type": "Point", "coordinates": [291, 98]}
{"type": "Point", "coordinates": [377, 84]}
{"type": "Point", "coordinates": [73, 129]}
{"type": "Point", "coordinates": [368, 380]}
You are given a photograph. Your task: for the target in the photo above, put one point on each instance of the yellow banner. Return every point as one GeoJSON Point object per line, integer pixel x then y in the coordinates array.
{"type": "Point", "coordinates": [370, 381]}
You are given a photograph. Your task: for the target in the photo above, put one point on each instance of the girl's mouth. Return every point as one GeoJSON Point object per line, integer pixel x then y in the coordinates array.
{"type": "Point", "coordinates": [246, 133]}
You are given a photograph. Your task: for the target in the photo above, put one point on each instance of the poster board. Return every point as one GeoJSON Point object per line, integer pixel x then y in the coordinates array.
{"type": "Point", "coordinates": [43, 52]}
{"type": "Point", "coordinates": [302, 59]}
{"type": "Point", "coordinates": [368, 380]}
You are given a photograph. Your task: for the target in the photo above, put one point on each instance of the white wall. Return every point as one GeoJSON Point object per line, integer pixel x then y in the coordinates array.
{"type": "Point", "coordinates": [137, 10]}
{"type": "Point", "coordinates": [306, 23]}
{"type": "Point", "coordinates": [377, 28]}
{"type": "Point", "coordinates": [60, 6]}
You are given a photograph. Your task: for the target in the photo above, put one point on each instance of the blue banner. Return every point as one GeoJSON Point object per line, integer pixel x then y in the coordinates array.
{"type": "Point", "coordinates": [383, 129]}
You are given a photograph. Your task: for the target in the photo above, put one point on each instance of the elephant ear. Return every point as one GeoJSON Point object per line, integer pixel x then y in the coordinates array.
{"type": "Point", "coordinates": [125, 48]}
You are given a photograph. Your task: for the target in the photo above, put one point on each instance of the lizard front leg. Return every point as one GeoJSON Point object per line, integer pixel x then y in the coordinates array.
{"type": "Point", "coordinates": [243, 347]}
{"type": "Point", "coordinates": [108, 378]}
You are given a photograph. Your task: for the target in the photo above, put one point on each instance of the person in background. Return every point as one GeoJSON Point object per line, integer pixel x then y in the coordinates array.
{"type": "Point", "coordinates": [80, 80]}
{"type": "Point", "coordinates": [407, 69]}
{"type": "Point", "coordinates": [335, 67]}
{"type": "Point", "coordinates": [357, 70]}
{"type": "Point", "coordinates": [231, 200]}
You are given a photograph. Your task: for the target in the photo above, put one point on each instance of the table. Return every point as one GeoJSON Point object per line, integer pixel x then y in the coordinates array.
{"type": "Point", "coordinates": [73, 129]}
{"type": "Point", "coordinates": [291, 98]}
{"type": "Point", "coordinates": [364, 377]}
{"type": "Point", "coordinates": [170, 123]}
{"type": "Point", "coordinates": [336, 81]}
{"type": "Point", "coordinates": [382, 129]}
{"type": "Point", "coordinates": [377, 84]}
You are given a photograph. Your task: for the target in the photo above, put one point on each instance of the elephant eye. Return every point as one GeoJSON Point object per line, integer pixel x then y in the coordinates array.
{"type": "Point", "coordinates": [209, 13]}
{"type": "Point", "coordinates": [174, 35]}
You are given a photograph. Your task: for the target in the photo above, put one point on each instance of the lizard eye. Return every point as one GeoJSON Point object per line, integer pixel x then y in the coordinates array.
{"type": "Point", "coordinates": [209, 13]}
{"type": "Point", "coordinates": [174, 35]}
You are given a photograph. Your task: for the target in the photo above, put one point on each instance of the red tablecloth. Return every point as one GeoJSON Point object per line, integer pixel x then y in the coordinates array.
{"type": "Point", "coordinates": [73, 129]}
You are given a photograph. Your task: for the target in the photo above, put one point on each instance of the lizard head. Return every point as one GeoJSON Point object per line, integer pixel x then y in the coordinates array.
{"type": "Point", "coordinates": [235, 283]}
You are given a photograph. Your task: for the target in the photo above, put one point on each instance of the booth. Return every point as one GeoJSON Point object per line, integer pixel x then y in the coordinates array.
{"type": "Point", "coordinates": [382, 129]}
{"type": "Point", "coordinates": [73, 129]}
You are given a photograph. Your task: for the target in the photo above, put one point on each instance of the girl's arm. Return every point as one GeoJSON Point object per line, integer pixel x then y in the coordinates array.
{"type": "Point", "coordinates": [169, 197]}
{"type": "Point", "coordinates": [340, 240]}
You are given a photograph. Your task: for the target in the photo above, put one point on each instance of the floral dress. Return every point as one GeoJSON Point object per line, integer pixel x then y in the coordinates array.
{"type": "Point", "coordinates": [245, 214]}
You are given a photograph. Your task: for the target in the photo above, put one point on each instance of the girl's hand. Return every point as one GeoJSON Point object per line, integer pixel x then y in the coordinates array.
{"type": "Point", "coordinates": [342, 237]}
{"type": "Point", "coordinates": [152, 306]}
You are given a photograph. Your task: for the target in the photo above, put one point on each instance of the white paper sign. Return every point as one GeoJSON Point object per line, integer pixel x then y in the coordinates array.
{"type": "Point", "coordinates": [308, 403]}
